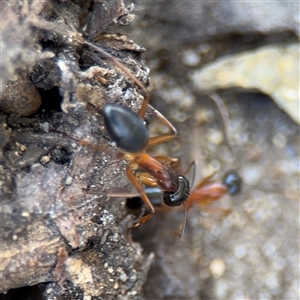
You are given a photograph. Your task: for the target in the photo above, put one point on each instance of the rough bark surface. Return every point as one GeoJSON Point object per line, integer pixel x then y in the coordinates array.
{"type": "Point", "coordinates": [57, 163]}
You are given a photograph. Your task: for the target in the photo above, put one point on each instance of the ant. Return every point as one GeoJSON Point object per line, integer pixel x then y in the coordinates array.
{"type": "Point", "coordinates": [203, 194]}
{"type": "Point", "coordinates": [128, 130]}
{"type": "Point", "coordinates": [130, 133]}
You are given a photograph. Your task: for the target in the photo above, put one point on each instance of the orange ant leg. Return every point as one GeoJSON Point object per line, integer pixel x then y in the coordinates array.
{"type": "Point", "coordinates": [165, 137]}
{"type": "Point", "coordinates": [121, 67]}
{"type": "Point", "coordinates": [144, 196]}
{"type": "Point", "coordinates": [145, 104]}
{"type": "Point", "coordinates": [146, 179]}
{"type": "Point", "coordinates": [160, 139]}
{"type": "Point", "coordinates": [167, 161]}
{"type": "Point", "coordinates": [128, 73]}
{"type": "Point", "coordinates": [164, 120]}
{"type": "Point", "coordinates": [83, 142]}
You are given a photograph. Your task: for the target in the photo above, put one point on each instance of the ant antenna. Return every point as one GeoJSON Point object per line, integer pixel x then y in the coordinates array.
{"type": "Point", "coordinates": [126, 71]}
{"type": "Point", "coordinates": [193, 165]}
{"type": "Point", "coordinates": [184, 221]}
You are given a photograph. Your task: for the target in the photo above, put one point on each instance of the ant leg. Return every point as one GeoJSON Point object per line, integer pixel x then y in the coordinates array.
{"type": "Point", "coordinates": [167, 161]}
{"type": "Point", "coordinates": [147, 180]}
{"type": "Point", "coordinates": [138, 83]}
{"type": "Point", "coordinates": [184, 220]}
{"type": "Point", "coordinates": [83, 142]}
{"type": "Point", "coordinates": [116, 62]}
{"type": "Point", "coordinates": [192, 165]}
{"type": "Point", "coordinates": [123, 195]}
{"type": "Point", "coordinates": [206, 180]}
{"type": "Point", "coordinates": [164, 120]}
{"type": "Point", "coordinates": [160, 139]}
{"type": "Point", "coordinates": [223, 111]}
{"type": "Point", "coordinates": [145, 104]}
{"type": "Point", "coordinates": [128, 73]}
{"type": "Point", "coordinates": [225, 119]}
{"type": "Point", "coordinates": [144, 197]}
{"type": "Point", "coordinates": [165, 137]}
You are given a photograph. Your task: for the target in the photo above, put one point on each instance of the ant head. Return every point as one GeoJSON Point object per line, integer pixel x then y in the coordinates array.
{"type": "Point", "coordinates": [180, 195]}
{"type": "Point", "coordinates": [233, 183]}
{"type": "Point", "coordinates": [125, 127]}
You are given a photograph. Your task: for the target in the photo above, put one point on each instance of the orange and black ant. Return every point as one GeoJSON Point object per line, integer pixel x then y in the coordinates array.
{"type": "Point", "coordinates": [205, 193]}
{"type": "Point", "coordinates": [128, 130]}
{"type": "Point", "coordinates": [130, 133]}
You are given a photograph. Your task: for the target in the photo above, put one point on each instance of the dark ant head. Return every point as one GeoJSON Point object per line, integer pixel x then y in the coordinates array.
{"type": "Point", "coordinates": [125, 127]}
{"type": "Point", "coordinates": [233, 183]}
{"type": "Point", "coordinates": [180, 195]}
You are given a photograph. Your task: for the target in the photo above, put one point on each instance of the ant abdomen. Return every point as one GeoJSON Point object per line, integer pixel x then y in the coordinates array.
{"type": "Point", "coordinates": [179, 196]}
{"type": "Point", "coordinates": [125, 127]}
